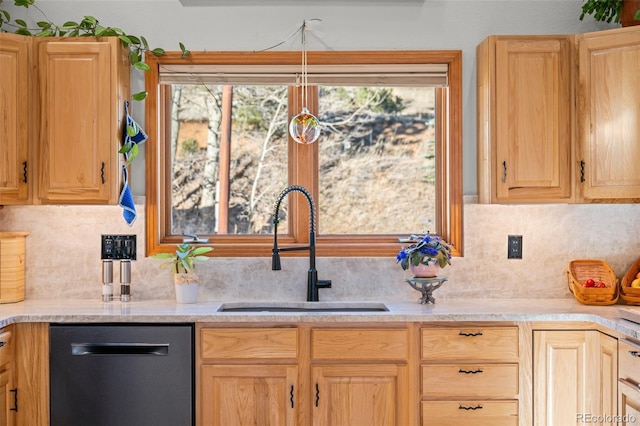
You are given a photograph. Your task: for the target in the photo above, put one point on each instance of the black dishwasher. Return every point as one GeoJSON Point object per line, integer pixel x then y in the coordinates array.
{"type": "Point", "coordinates": [122, 375]}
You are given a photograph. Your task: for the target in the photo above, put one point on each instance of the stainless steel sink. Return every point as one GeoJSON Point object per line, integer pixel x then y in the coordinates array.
{"type": "Point", "coordinates": [303, 307]}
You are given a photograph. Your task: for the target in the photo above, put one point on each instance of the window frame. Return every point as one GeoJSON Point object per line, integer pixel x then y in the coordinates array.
{"type": "Point", "coordinates": [302, 158]}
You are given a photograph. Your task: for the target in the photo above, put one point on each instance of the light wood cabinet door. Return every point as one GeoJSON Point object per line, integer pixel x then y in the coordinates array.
{"type": "Point", "coordinates": [8, 403]}
{"type": "Point", "coordinates": [609, 115]}
{"type": "Point", "coordinates": [360, 395]}
{"type": "Point", "coordinates": [14, 119]}
{"type": "Point", "coordinates": [574, 376]}
{"type": "Point", "coordinates": [82, 85]}
{"type": "Point", "coordinates": [628, 382]}
{"type": "Point", "coordinates": [525, 140]}
{"type": "Point", "coordinates": [629, 400]}
{"type": "Point", "coordinates": [7, 399]}
{"type": "Point", "coordinates": [237, 395]}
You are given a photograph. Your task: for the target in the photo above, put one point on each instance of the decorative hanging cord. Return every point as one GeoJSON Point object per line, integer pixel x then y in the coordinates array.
{"type": "Point", "coordinates": [304, 128]}
{"type": "Point", "coordinates": [305, 70]}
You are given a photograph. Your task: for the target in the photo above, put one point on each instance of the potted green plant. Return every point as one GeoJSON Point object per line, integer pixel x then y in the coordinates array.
{"type": "Point", "coordinates": [425, 255]}
{"type": "Point", "coordinates": [625, 12]}
{"type": "Point", "coordinates": [183, 266]}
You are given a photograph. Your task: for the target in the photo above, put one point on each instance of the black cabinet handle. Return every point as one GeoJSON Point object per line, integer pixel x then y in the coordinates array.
{"type": "Point", "coordinates": [24, 172]}
{"type": "Point", "coordinates": [504, 172]}
{"type": "Point", "coordinates": [476, 371]}
{"type": "Point", "coordinates": [634, 354]}
{"type": "Point", "coordinates": [477, 333]}
{"type": "Point", "coordinates": [15, 400]}
{"type": "Point", "coordinates": [467, 407]}
{"type": "Point", "coordinates": [317, 394]}
{"type": "Point", "coordinates": [102, 173]}
{"type": "Point", "coordinates": [291, 396]}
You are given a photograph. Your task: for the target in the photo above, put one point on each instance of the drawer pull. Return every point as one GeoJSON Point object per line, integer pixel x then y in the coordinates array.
{"type": "Point", "coordinates": [634, 354]}
{"type": "Point", "coordinates": [317, 394]}
{"type": "Point", "coordinates": [476, 371]}
{"type": "Point", "coordinates": [465, 334]}
{"type": "Point", "coordinates": [15, 399]}
{"type": "Point", "coordinates": [291, 396]}
{"type": "Point", "coordinates": [477, 407]}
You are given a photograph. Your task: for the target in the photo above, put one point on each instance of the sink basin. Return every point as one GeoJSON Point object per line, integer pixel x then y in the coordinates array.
{"type": "Point", "coordinates": [304, 307]}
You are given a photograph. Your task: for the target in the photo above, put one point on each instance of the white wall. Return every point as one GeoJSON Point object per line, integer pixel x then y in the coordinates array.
{"type": "Point", "coordinates": [63, 253]}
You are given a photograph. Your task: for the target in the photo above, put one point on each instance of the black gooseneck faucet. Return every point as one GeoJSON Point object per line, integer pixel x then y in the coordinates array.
{"type": "Point", "coordinates": [313, 284]}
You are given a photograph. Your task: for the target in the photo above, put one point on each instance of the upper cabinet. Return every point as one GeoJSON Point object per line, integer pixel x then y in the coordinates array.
{"type": "Point", "coordinates": [81, 87]}
{"type": "Point", "coordinates": [524, 119]}
{"type": "Point", "coordinates": [14, 119]}
{"type": "Point", "coordinates": [609, 115]}
{"type": "Point", "coordinates": [547, 136]}
{"type": "Point", "coordinates": [61, 112]}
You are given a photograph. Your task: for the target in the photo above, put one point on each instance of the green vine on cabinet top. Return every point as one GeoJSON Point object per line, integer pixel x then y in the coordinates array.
{"type": "Point", "coordinates": [604, 10]}
{"type": "Point", "coordinates": [89, 26]}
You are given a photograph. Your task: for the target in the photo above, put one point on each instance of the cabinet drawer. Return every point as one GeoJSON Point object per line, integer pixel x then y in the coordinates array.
{"type": "Point", "coordinates": [476, 413]}
{"type": "Point", "coordinates": [247, 343]}
{"type": "Point", "coordinates": [629, 361]}
{"type": "Point", "coordinates": [481, 343]}
{"type": "Point", "coordinates": [359, 344]}
{"type": "Point", "coordinates": [5, 349]}
{"type": "Point", "coordinates": [470, 380]}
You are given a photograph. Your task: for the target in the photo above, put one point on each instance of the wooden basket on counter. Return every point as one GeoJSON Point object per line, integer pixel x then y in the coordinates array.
{"type": "Point", "coordinates": [581, 270]}
{"type": "Point", "coordinates": [630, 295]}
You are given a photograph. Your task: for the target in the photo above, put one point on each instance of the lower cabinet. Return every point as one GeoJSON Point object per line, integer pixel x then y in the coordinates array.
{"type": "Point", "coordinates": [575, 374]}
{"type": "Point", "coordinates": [367, 394]}
{"type": "Point", "coordinates": [628, 382]}
{"type": "Point", "coordinates": [470, 375]}
{"type": "Point", "coordinates": [8, 403]}
{"type": "Point", "coordinates": [359, 376]}
{"type": "Point", "coordinates": [247, 376]}
{"type": "Point", "coordinates": [249, 394]}
{"type": "Point", "coordinates": [302, 374]}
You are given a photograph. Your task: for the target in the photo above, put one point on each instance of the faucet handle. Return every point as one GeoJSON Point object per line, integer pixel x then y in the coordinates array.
{"type": "Point", "coordinates": [324, 284]}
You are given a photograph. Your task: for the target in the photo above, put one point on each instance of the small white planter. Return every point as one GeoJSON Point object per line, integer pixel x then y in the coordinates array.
{"type": "Point", "coordinates": [186, 288]}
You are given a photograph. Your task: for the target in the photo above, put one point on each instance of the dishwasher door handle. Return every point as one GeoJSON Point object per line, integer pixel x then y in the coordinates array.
{"type": "Point", "coordinates": [82, 349]}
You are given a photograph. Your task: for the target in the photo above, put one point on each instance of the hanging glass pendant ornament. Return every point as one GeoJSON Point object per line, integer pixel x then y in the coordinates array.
{"type": "Point", "coordinates": [304, 128]}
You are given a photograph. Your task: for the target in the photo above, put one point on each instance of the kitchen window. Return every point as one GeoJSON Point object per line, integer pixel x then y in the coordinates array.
{"type": "Point", "coordinates": [387, 163]}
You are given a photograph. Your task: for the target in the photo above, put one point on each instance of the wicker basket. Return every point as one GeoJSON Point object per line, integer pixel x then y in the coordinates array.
{"type": "Point", "coordinates": [629, 294]}
{"type": "Point", "coordinates": [581, 270]}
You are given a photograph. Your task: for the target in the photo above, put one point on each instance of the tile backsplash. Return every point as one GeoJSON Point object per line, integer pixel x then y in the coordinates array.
{"type": "Point", "coordinates": [63, 256]}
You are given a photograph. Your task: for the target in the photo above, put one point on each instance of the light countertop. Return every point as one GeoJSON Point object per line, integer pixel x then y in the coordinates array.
{"type": "Point", "coordinates": [168, 311]}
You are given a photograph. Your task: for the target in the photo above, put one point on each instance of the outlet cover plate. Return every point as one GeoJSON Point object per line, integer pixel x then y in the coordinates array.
{"type": "Point", "coordinates": [514, 247]}
{"type": "Point", "coordinates": [119, 247]}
